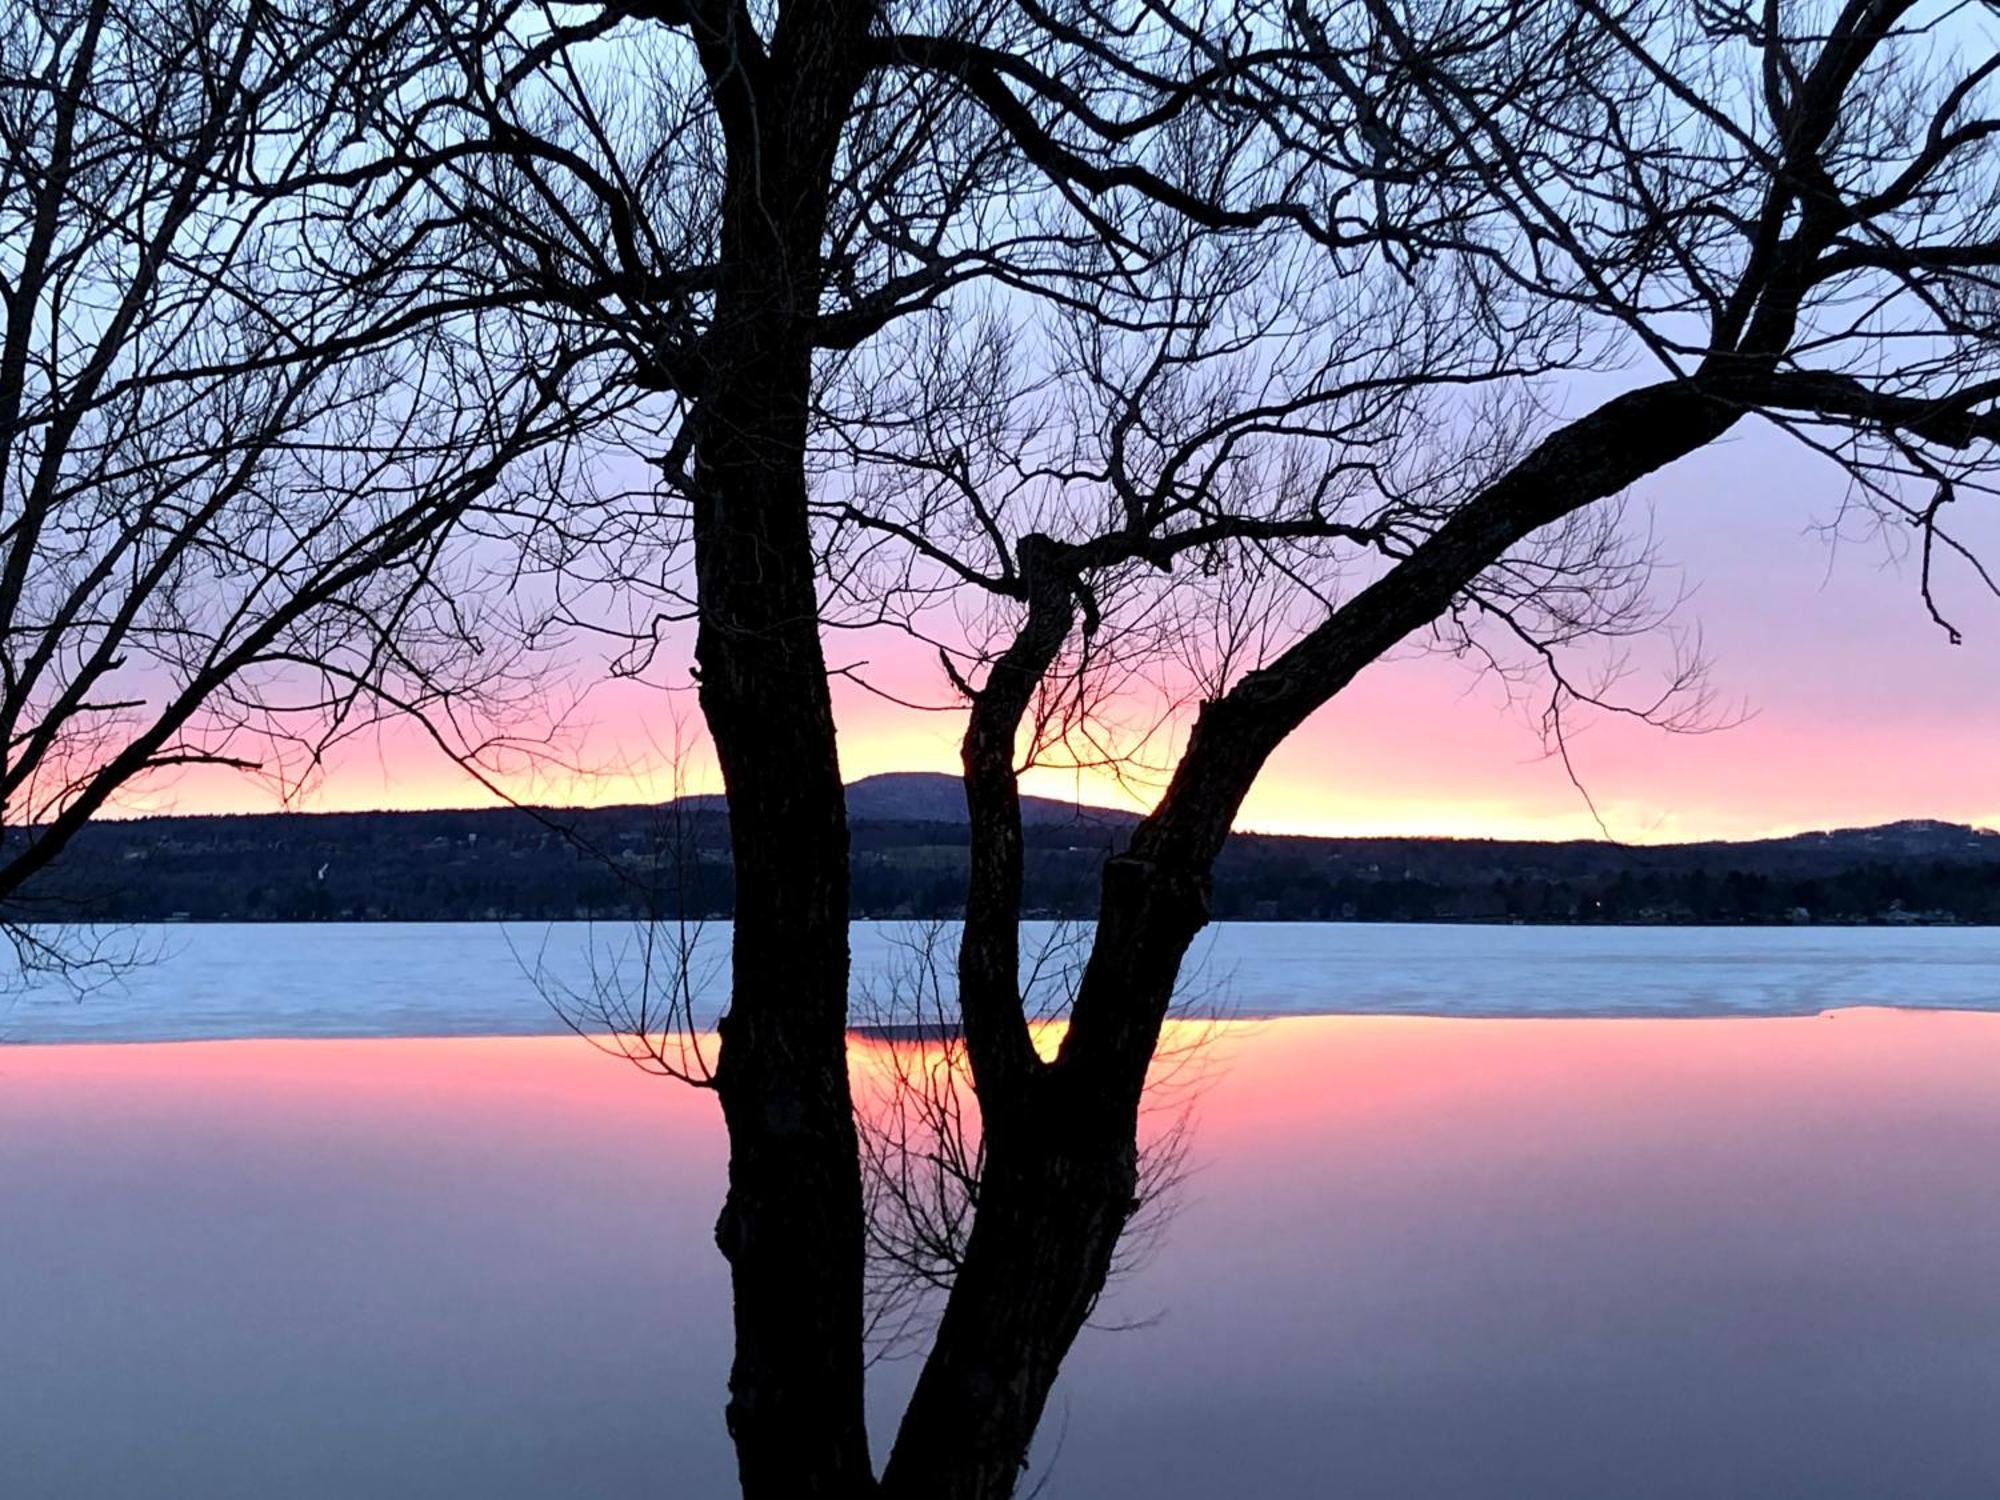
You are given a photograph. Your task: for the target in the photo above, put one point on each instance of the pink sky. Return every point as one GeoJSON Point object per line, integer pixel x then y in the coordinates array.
{"type": "Point", "coordinates": [1861, 712]}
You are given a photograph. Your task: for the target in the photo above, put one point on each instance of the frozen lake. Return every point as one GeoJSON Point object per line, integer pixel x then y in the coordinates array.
{"type": "Point", "coordinates": [443, 980]}
{"type": "Point", "coordinates": [1417, 1260]}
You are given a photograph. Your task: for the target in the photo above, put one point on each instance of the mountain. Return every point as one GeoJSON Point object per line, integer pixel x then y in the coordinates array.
{"type": "Point", "coordinates": [932, 797]}
{"type": "Point", "coordinates": [909, 837]}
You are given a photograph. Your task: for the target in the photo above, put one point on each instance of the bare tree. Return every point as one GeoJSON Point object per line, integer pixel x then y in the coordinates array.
{"type": "Point", "coordinates": [1788, 212]}
{"type": "Point", "coordinates": [1227, 332]}
{"type": "Point", "coordinates": [240, 423]}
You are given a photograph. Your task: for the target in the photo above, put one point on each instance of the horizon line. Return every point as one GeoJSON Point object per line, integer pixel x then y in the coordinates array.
{"type": "Point", "coordinates": [532, 807]}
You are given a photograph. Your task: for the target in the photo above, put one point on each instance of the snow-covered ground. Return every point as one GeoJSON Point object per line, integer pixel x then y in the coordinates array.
{"type": "Point", "coordinates": [190, 982]}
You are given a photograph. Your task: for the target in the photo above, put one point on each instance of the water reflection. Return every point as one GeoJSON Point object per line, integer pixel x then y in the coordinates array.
{"type": "Point", "coordinates": [1416, 1258]}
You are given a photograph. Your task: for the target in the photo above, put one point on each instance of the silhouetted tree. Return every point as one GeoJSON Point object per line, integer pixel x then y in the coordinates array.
{"type": "Point", "coordinates": [1215, 335]}
{"type": "Point", "coordinates": [1788, 212]}
{"type": "Point", "coordinates": [239, 423]}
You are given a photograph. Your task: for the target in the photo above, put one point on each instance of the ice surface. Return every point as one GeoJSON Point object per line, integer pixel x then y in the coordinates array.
{"type": "Point", "coordinates": [449, 979]}
{"type": "Point", "coordinates": [1416, 1260]}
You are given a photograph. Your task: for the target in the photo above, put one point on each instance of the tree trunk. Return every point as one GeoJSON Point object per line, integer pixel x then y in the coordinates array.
{"type": "Point", "coordinates": [1053, 1202]}
{"type": "Point", "coordinates": [1062, 1149]}
{"type": "Point", "coordinates": [1061, 1181]}
{"type": "Point", "coordinates": [792, 1227]}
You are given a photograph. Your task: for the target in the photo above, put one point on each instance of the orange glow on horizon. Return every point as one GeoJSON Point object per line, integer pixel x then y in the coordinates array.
{"type": "Point", "coordinates": [1847, 708]}
{"type": "Point", "coordinates": [1412, 748]}
{"type": "Point", "coordinates": [1284, 802]}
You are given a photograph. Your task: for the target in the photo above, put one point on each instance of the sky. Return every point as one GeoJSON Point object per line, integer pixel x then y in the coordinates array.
{"type": "Point", "coordinates": [1841, 704]}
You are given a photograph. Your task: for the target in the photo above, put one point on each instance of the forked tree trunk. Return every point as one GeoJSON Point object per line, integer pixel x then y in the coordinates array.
{"type": "Point", "coordinates": [1060, 1175]}
{"type": "Point", "coordinates": [1061, 1144]}
{"type": "Point", "coordinates": [1060, 1178]}
{"type": "Point", "coordinates": [1061, 1181]}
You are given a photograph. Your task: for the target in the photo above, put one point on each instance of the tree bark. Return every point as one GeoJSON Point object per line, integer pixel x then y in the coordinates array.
{"type": "Point", "coordinates": [998, 1043]}
{"type": "Point", "coordinates": [1060, 1173]}
{"type": "Point", "coordinates": [1054, 1198]}
{"type": "Point", "coordinates": [792, 1226]}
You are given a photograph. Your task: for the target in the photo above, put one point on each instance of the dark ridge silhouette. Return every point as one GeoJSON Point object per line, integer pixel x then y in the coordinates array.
{"type": "Point", "coordinates": [909, 860]}
{"type": "Point", "coordinates": [936, 797]}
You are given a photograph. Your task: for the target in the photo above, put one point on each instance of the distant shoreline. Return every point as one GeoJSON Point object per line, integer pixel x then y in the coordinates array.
{"type": "Point", "coordinates": [909, 849]}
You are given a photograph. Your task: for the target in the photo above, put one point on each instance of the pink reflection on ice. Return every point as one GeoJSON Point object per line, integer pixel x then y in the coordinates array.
{"type": "Point", "coordinates": [1416, 1258]}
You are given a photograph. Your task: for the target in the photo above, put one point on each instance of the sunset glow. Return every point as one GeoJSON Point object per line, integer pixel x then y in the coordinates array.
{"type": "Point", "coordinates": [1838, 702]}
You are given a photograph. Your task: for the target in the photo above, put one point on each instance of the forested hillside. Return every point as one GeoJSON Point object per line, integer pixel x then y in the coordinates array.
{"type": "Point", "coordinates": [909, 852]}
